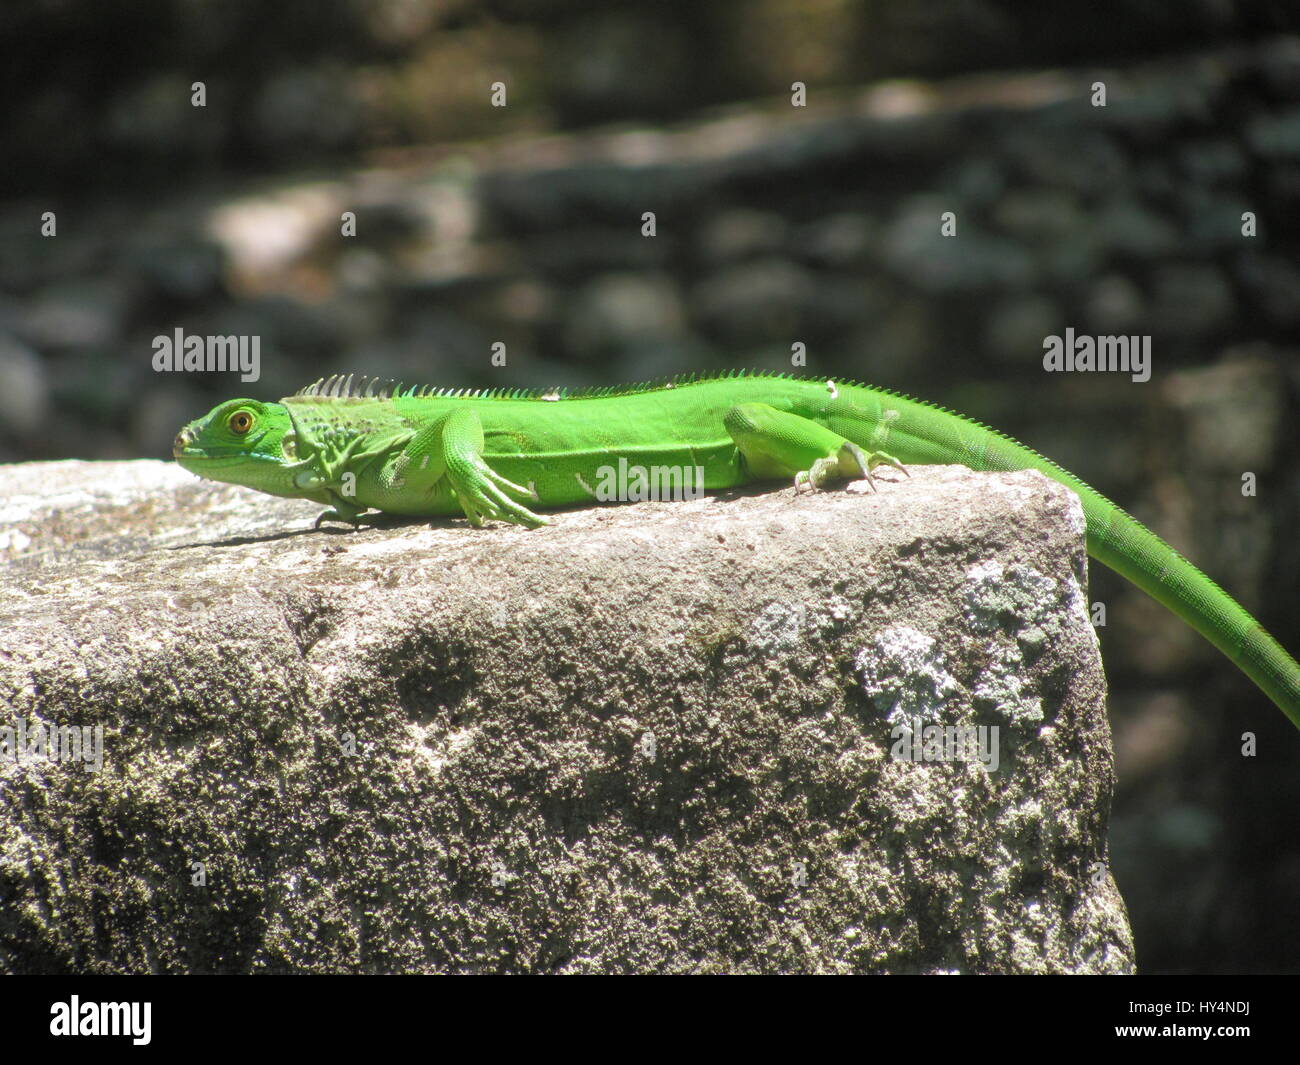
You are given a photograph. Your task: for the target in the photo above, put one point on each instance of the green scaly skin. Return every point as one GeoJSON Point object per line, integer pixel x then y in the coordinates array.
{"type": "Point", "coordinates": [496, 454]}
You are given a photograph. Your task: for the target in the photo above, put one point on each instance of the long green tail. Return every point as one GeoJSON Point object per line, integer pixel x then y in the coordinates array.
{"type": "Point", "coordinates": [1118, 540]}
{"type": "Point", "coordinates": [1134, 551]}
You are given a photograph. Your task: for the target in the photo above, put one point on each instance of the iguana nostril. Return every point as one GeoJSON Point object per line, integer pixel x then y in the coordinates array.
{"type": "Point", "coordinates": [183, 439]}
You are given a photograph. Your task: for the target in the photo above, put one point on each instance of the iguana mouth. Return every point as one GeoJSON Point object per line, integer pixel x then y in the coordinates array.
{"type": "Point", "coordinates": [184, 451]}
{"type": "Point", "coordinates": [183, 448]}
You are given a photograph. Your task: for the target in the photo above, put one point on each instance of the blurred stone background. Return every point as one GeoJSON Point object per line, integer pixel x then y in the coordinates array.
{"type": "Point", "coordinates": [776, 225]}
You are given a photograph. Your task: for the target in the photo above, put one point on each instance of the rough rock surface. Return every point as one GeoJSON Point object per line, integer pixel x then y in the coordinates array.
{"type": "Point", "coordinates": [644, 738]}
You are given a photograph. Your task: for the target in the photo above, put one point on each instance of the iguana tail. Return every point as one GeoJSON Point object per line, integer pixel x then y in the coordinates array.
{"type": "Point", "coordinates": [922, 433]}
{"type": "Point", "coordinates": [1123, 543]}
{"type": "Point", "coordinates": [1134, 551]}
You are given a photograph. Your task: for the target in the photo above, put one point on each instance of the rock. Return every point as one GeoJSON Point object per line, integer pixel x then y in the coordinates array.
{"type": "Point", "coordinates": [576, 254]}
{"type": "Point", "coordinates": [363, 271]}
{"type": "Point", "coordinates": [1126, 227]}
{"type": "Point", "coordinates": [915, 249]}
{"type": "Point", "coordinates": [754, 300]}
{"type": "Point", "coordinates": [1232, 417]}
{"type": "Point", "coordinates": [1016, 328]}
{"type": "Point", "coordinates": [184, 269]}
{"type": "Point", "coordinates": [843, 239]}
{"type": "Point", "coordinates": [1219, 227]}
{"type": "Point", "coordinates": [1147, 110]}
{"type": "Point", "coordinates": [615, 311]}
{"type": "Point", "coordinates": [980, 181]}
{"type": "Point", "coordinates": [1066, 157]}
{"type": "Point", "coordinates": [607, 62]}
{"type": "Point", "coordinates": [1213, 161]}
{"type": "Point", "coordinates": [78, 313]}
{"type": "Point", "coordinates": [1275, 136]}
{"type": "Point", "coordinates": [24, 388]}
{"type": "Point", "coordinates": [1281, 189]}
{"type": "Point", "coordinates": [1271, 281]}
{"type": "Point", "coordinates": [1279, 61]}
{"type": "Point", "coordinates": [905, 338]}
{"type": "Point", "coordinates": [1234, 412]}
{"type": "Point", "coordinates": [263, 237]}
{"type": "Point", "coordinates": [1191, 299]}
{"type": "Point", "coordinates": [1114, 306]}
{"type": "Point", "coordinates": [643, 739]}
{"type": "Point", "coordinates": [156, 112]}
{"type": "Point", "coordinates": [742, 234]}
{"type": "Point", "coordinates": [307, 109]}
{"type": "Point", "coordinates": [1040, 216]}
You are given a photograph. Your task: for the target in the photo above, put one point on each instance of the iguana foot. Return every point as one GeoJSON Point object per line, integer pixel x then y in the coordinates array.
{"type": "Point", "coordinates": [850, 459]}
{"type": "Point", "coordinates": [355, 518]}
{"type": "Point", "coordinates": [484, 499]}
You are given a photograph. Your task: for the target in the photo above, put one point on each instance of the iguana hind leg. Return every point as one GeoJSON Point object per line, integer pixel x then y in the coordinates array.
{"type": "Point", "coordinates": [780, 444]}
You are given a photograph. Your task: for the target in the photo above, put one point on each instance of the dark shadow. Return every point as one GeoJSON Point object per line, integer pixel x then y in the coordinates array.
{"type": "Point", "coordinates": [383, 523]}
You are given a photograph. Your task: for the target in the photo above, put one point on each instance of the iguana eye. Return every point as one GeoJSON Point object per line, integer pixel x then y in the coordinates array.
{"type": "Point", "coordinates": [240, 422]}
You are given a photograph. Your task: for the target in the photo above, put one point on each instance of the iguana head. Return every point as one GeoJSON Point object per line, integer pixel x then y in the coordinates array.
{"type": "Point", "coordinates": [243, 442]}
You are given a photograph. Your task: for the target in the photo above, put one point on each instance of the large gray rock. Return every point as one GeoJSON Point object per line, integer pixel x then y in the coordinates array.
{"type": "Point", "coordinates": [645, 738]}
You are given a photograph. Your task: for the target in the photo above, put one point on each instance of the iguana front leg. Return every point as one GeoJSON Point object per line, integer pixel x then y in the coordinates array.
{"type": "Point", "coordinates": [777, 443]}
{"type": "Point", "coordinates": [322, 471]}
{"type": "Point", "coordinates": [452, 447]}
{"type": "Point", "coordinates": [340, 510]}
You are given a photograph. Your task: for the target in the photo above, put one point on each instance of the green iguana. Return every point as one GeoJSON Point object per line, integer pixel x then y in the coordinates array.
{"type": "Point", "coordinates": [424, 452]}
